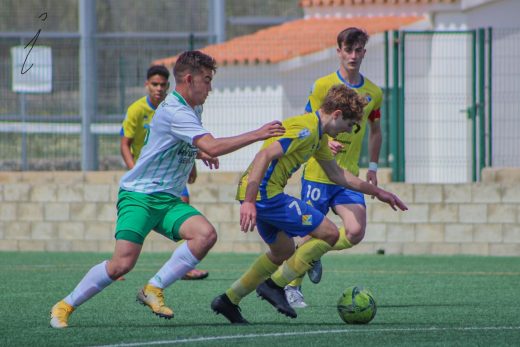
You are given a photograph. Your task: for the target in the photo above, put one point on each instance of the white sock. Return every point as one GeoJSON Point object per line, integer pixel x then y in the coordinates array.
{"type": "Point", "coordinates": [181, 261]}
{"type": "Point", "coordinates": [92, 283]}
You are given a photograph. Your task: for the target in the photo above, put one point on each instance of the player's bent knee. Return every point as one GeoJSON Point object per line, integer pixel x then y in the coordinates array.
{"type": "Point", "coordinates": [279, 258]}
{"type": "Point", "coordinates": [207, 236]}
{"type": "Point", "coordinates": [116, 269]}
{"type": "Point", "coordinates": [327, 232]}
{"type": "Point", "coordinates": [332, 238]}
{"type": "Point", "coordinates": [331, 234]}
{"type": "Point", "coordinates": [356, 234]}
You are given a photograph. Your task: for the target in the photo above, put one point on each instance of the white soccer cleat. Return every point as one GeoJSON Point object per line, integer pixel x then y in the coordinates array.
{"type": "Point", "coordinates": [295, 297]}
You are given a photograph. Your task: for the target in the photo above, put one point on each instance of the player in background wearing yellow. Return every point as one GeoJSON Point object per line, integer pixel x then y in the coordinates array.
{"type": "Point", "coordinates": [280, 217]}
{"type": "Point", "coordinates": [136, 124]}
{"type": "Point", "coordinates": [317, 189]}
{"type": "Point", "coordinates": [149, 194]}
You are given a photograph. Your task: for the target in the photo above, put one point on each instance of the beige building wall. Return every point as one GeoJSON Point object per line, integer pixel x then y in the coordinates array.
{"type": "Point", "coordinates": [75, 211]}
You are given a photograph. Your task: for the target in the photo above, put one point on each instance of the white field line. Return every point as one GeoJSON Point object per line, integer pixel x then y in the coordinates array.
{"type": "Point", "coordinates": [302, 333]}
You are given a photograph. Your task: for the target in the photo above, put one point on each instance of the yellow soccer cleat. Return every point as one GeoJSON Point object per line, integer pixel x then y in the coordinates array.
{"type": "Point", "coordinates": [60, 314]}
{"type": "Point", "coordinates": [153, 298]}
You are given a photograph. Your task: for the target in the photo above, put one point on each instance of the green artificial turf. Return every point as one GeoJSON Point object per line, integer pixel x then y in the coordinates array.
{"type": "Point", "coordinates": [422, 301]}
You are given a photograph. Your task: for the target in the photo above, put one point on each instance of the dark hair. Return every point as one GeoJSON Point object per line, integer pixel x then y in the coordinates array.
{"type": "Point", "coordinates": [340, 97]}
{"type": "Point", "coordinates": [351, 36]}
{"type": "Point", "coordinates": [192, 62]}
{"type": "Point", "coordinates": [160, 70]}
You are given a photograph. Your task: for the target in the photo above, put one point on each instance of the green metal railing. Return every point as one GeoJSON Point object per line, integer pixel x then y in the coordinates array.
{"type": "Point", "coordinates": [481, 131]}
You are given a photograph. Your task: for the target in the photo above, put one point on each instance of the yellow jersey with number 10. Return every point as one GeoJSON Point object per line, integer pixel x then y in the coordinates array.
{"type": "Point", "coordinates": [302, 140]}
{"type": "Point", "coordinates": [348, 157]}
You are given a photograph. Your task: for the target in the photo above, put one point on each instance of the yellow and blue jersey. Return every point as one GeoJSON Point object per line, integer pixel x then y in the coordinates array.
{"type": "Point", "coordinates": [302, 140]}
{"type": "Point", "coordinates": [348, 157]}
{"type": "Point", "coordinates": [136, 124]}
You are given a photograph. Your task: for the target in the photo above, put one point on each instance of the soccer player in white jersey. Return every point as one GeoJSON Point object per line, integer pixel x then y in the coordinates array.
{"type": "Point", "coordinates": [149, 196]}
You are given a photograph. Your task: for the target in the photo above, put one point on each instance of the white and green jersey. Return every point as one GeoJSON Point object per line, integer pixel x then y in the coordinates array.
{"type": "Point", "coordinates": [168, 154]}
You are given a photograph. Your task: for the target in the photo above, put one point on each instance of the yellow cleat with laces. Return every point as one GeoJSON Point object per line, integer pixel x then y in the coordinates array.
{"type": "Point", "coordinates": [60, 314]}
{"type": "Point", "coordinates": [153, 297]}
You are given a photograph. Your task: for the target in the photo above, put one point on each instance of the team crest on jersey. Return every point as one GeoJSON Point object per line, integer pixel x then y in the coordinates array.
{"type": "Point", "coordinates": [368, 97]}
{"type": "Point", "coordinates": [304, 133]}
{"type": "Point", "coordinates": [307, 219]}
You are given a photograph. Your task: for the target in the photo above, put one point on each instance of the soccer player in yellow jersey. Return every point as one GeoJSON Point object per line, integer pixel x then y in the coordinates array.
{"type": "Point", "coordinates": [135, 127]}
{"type": "Point", "coordinates": [317, 189]}
{"type": "Point", "coordinates": [280, 217]}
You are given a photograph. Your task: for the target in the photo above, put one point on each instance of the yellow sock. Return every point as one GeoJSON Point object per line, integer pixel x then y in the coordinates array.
{"type": "Point", "coordinates": [259, 271]}
{"type": "Point", "coordinates": [343, 242]}
{"type": "Point", "coordinates": [297, 281]}
{"type": "Point", "coordinates": [300, 261]}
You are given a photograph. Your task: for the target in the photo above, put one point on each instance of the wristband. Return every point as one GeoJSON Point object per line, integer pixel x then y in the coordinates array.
{"type": "Point", "coordinates": [372, 166]}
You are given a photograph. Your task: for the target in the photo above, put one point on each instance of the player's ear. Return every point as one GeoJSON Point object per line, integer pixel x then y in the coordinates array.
{"type": "Point", "coordinates": [337, 114]}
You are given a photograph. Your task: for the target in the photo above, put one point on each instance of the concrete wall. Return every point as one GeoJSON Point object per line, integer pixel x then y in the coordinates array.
{"type": "Point", "coordinates": [74, 211]}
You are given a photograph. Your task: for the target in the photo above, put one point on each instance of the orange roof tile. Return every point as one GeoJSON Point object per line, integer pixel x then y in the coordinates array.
{"type": "Point", "coordinates": [316, 3]}
{"type": "Point", "coordinates": [293, 39]}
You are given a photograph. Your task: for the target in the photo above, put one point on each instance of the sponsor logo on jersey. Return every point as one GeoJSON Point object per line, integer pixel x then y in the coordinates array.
{"type": "Point", "coordinates": [307, 219]}
{"type": "Point", "coordinates": [304, 133]}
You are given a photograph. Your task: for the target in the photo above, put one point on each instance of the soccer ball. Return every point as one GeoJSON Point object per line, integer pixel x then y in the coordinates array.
{"type": "Point", "coordinates": [357, 306]}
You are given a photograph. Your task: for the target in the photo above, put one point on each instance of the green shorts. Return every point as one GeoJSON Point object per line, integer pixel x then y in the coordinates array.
{"type": "Point", "coordinates": [139, 213]}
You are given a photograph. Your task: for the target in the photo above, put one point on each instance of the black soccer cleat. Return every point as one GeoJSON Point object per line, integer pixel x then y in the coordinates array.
{"type": "Point", "coordinates": [275, 295]}
{"type": "Point", "coordinates": [315, 271]}
{"type": "Point", "coordinates": [222, 305]}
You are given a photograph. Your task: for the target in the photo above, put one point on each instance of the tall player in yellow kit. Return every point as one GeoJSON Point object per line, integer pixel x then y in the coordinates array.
{"type": "Point", "coordinates": [280, 217]}
{"type": "Point", "coordinates": [317, 189]}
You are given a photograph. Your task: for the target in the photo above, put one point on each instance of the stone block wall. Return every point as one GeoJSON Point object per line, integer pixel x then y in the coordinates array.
{"type": "Point", "coordinates": [75, 211]}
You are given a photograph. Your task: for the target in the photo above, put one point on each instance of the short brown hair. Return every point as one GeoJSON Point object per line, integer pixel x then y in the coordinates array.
{"type": "Point", "coordinates": [192, 62]}
{"type": "Point", "coordinates": [340, 97]}
{"type": "Point", "coordinates": [351, 36]}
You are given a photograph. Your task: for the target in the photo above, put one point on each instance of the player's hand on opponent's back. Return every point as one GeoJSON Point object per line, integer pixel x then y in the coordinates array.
{"type": "Point", "coordinates": [271, 129]}
{"type": "Point", "coordinates": [335, 146]}
{"type": "Point", "coordinates": [247, 216]}
{"type": "Point", "coordinates": [391, 199]}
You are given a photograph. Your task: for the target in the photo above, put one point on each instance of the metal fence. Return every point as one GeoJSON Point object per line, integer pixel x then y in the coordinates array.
{"type": "Point", "coordinates": [42, 131]}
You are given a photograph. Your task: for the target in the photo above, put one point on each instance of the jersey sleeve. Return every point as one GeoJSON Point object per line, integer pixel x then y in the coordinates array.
{"type": "Point", "coordinates": [129, 126]}
{"type": "Point", "coordinates": [376, 111]}
{"type": "Point", "coordinates": [187, 126]}
{"type": "Point", "coordinates": [316, 98]}
{"type": "Point", "coordinates": [323, 152]}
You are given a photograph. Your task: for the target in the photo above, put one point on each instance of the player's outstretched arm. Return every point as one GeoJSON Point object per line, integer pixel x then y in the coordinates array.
{"type": "Point", "coordinates": [223, 145]}
{"type": "Point", "coordinates": [258, 168]}
{"type": "Point", "coordinates": [344, 178]}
